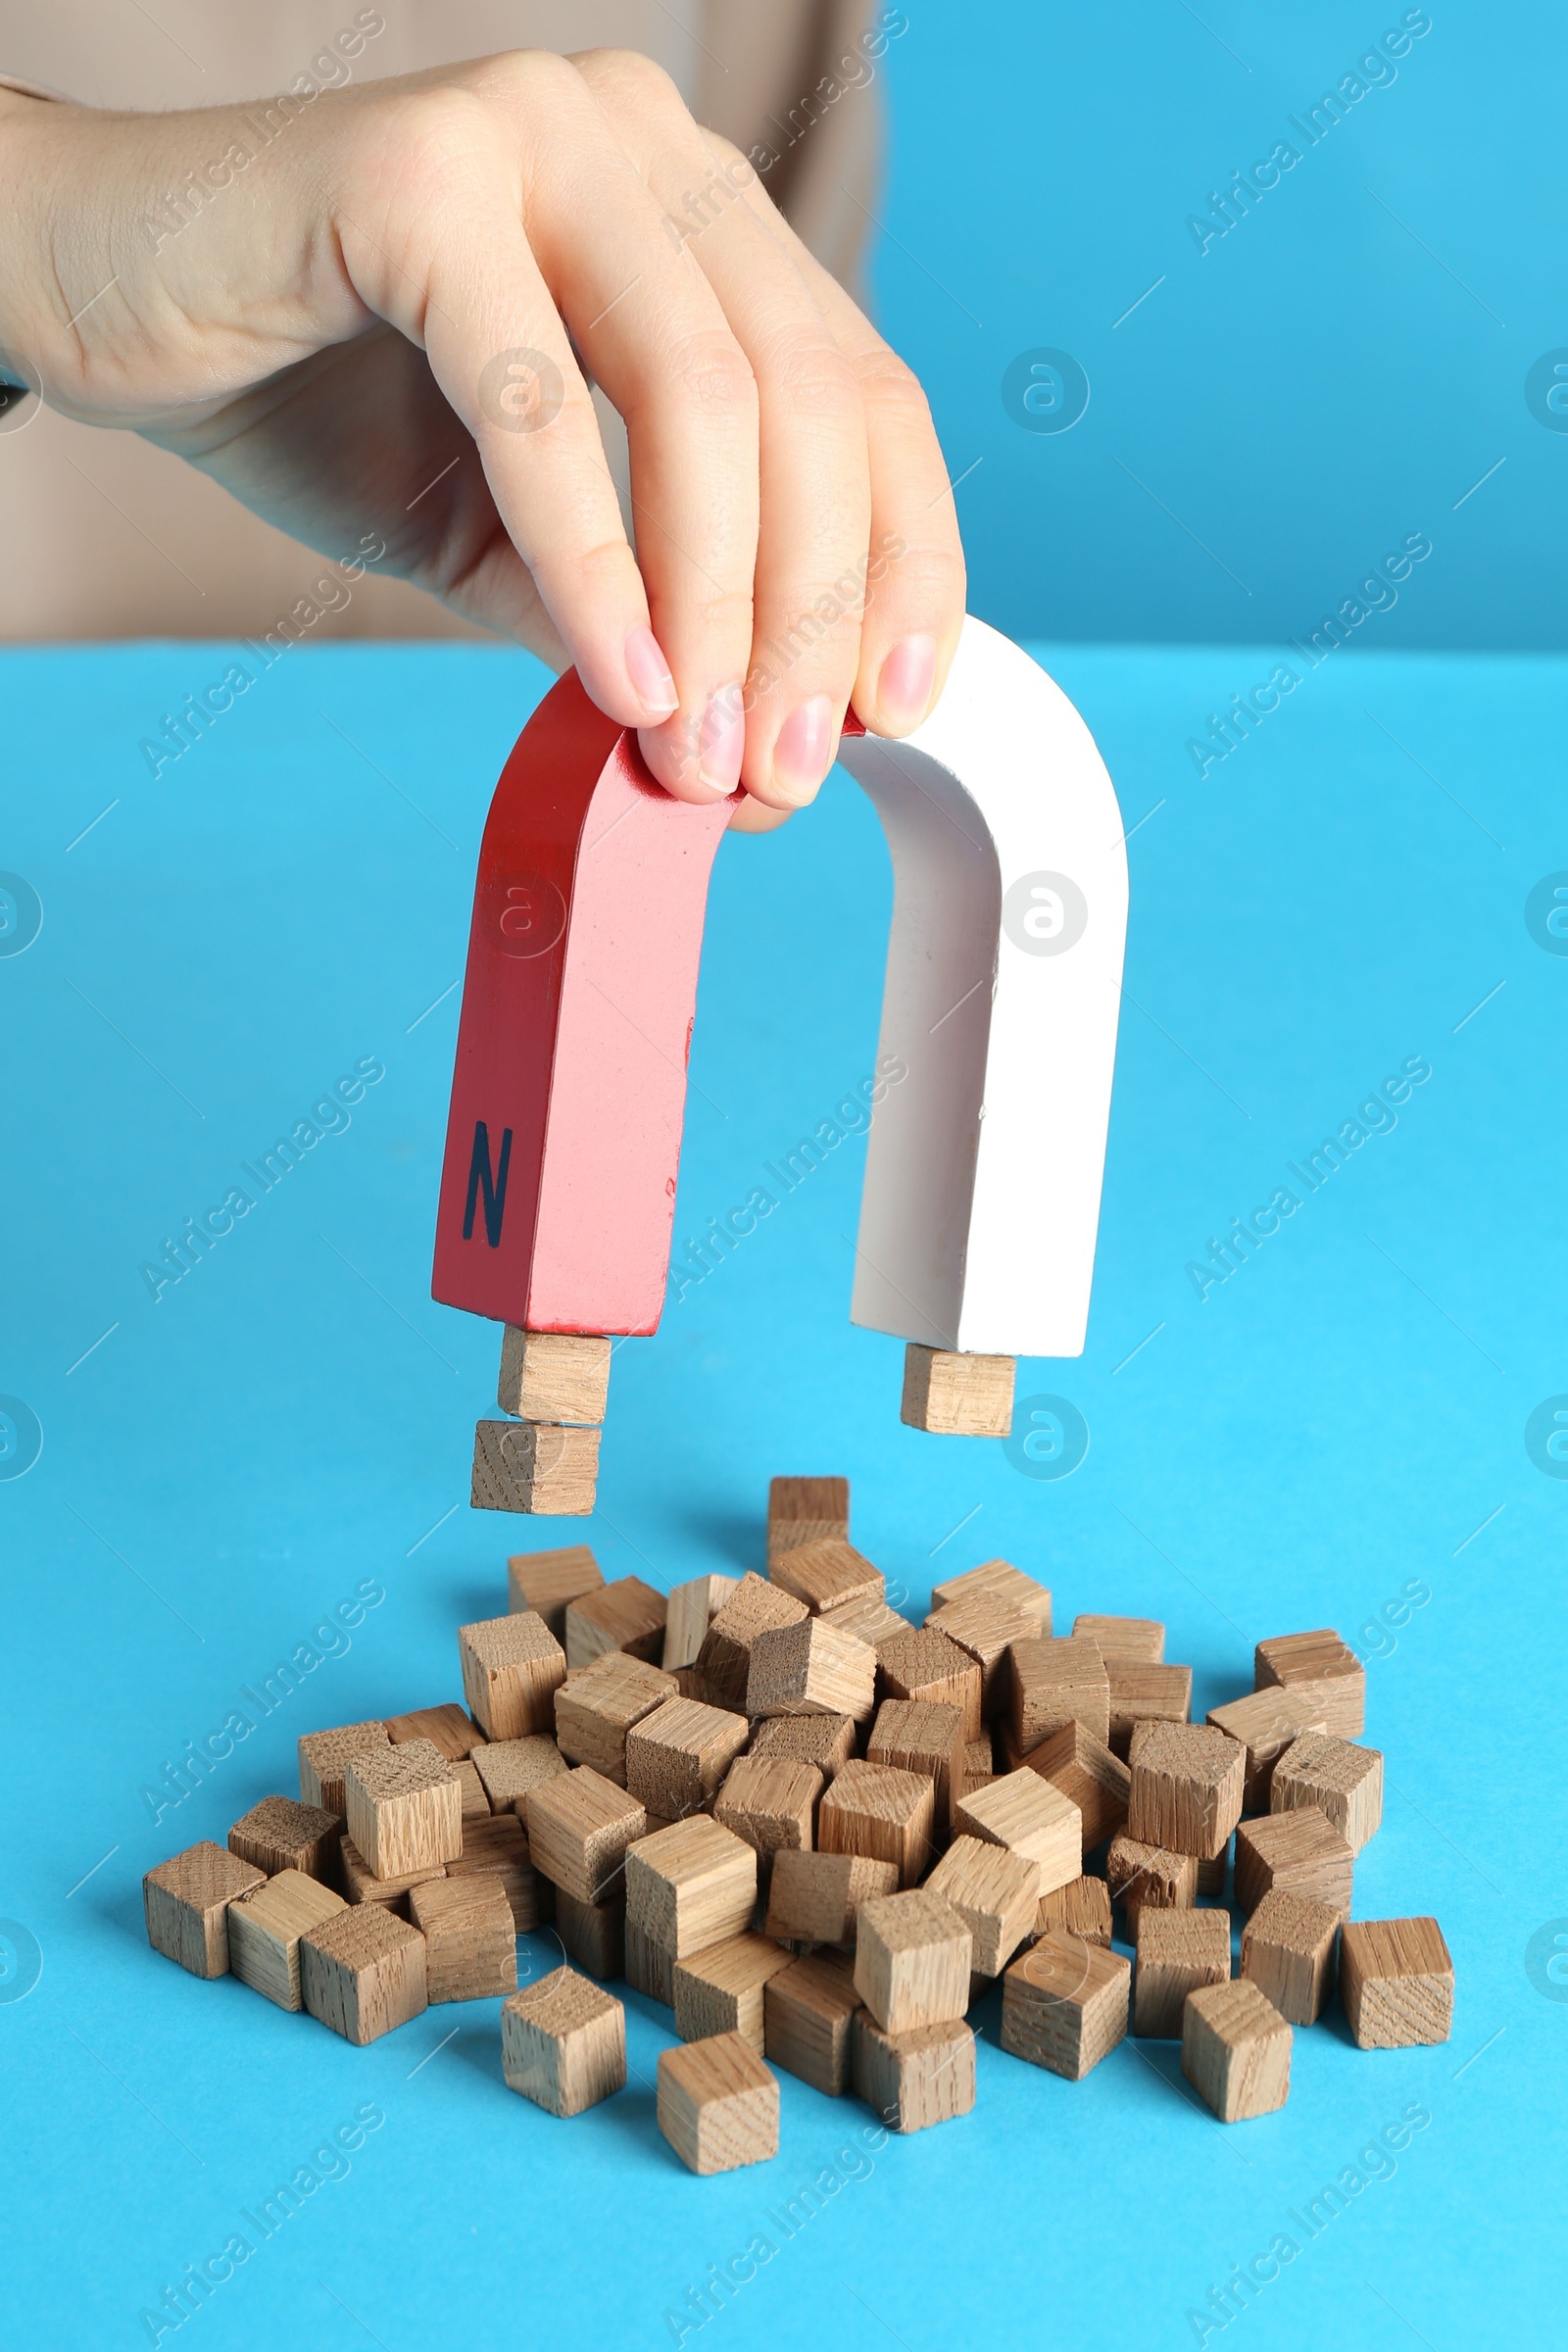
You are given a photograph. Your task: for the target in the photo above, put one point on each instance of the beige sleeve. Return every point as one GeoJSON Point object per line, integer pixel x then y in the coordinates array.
{"type": "Point", "coordinates": [107, 536]}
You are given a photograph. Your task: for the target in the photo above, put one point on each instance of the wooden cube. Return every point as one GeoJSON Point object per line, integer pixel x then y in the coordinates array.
{"type": "Point", "coordinates": [648, 1968]}
{"type": "Point", "coordinates": [544, 1581]}
{"type": "Point", "coordinates": [691, 1885]}
{"type": "Point", "coordinates": [814, 1898]}
{"type": "Point", "coordinates": [1139, 1874]}
{"type": "Point", "coordinates": [1133, 1641]}
{"type": "Point", "coordinates": [985, 1628]}
{"type": "Point", "coordinates": [717, 2105]}
{"type": "Point", "coordinates": [511, 1669]}
{"type": "Point", "coordinates": [264, 1928]}
{"type": "Point", "coordinates": [689, 1611]}
{"type": "Point", "coordinates": [361, 1886]}
{"type": "Point", "coordinates": [994, 1892]}
{"type": "Point", "coordinates": [563, 2043]}
{"type": "Point", "coordinates": [826, 1575]}
{"type": "Point", "coordinates": [626, 1615]}
{"type": "Point", "coordinates": [1064, 2004]}
{"type": "Point", "coordinates": [1030, 1817]}
{"type": "Point", "coordinates": [1185, 1790]}
{"type": "Point", "coordinates": [1056, 1683]}
{"type": "Point", "coordinates": [510, 1768]}
{"type": "Point", "coordinates": [498, 1847]}
{"type": "Point", "coordinates": [1395, 1983]}
{"type": "Point", "coordinates": [808, 2014]}
{"type": "Point", "coordinates": [723, 1663]}
{"type": "Point", "coordinates": [1142, 1694]}
{"type": "Point", "coordinates": [979, 1766]}
{"type": "Point", "coordinates": [810, 1669]}
{"type": "Point", "coordinates": [279, 1835]}
{"type": "Point", "coordinates": [1177, 1951]}
{"type": "Point", "coordinates": [322, 1756]}
{"type": "Point", "coordinates": [1235, 2050]}
{"type": "Point", "coordinates": [922, 1663]}
{"type": "Point", "coordinates": [1319, 1667]}
{"type": "Point", "coordinates": [1264, 1723]}
{"type": "Point", "coordinates": [997, 1580]}
{"type": "Point", "coordinates": [882, 1813]}
{"type": "Point", "coordinates": [579, 1828]}
{"type": "Point", "coordinates": [1079, 1763]}
{"type": "Point", "coordinates": [920, 1735]}
{"type": "Point", "coordinates": [598, 1705]}
{"type": "Point", "coordinates": [553, 1376]}
{"type": "Point", "coordinates": [1300, 1850]}
{"type": "Point", "coordinates": [914, 1953]}
{"type": "Point", "coordinates": [719, 1990]}
{"type": "Point", "coordinates": [362, 1972]}
{"type": "Point", "coordinates": [955, 1395]}
{"type": "Point", "coordinates": [1344, 1781]}
{"type": "Point", "coordinates": [806, 1511]}
{"type": "Point", "coordinates": [677, 1756]}
{"type": "Point", "coordinates": [1211, 1869]}
{"type": "Point", "coordinates": [868, 1619]}
{"type": "Point", "coordinates": [404, 1811]}
{"type": "Point", "coordinates": [593, 1934]}
{"type": "Point", "coordinates": [916, 2079]}
{"type": "Point", "coordinates": [825, 1741]}
{"type": "Point", "coordinates": [472, 1800]}
{"type": "Point", "coordinates": [534, 1466]}
{"type": "Point", "coordinates": [187, 1903]}
{"type": "Point", "coordinates": [471, 1943]}
{"type": "Point", "coordinates": [449, 1728]}
{"type": "Point", "coordinates": [1081, 1908]}
{"type": "Point", "coordinates": [771, 1803]}
{"type": "Point", "coordinates": [1288, 1953]}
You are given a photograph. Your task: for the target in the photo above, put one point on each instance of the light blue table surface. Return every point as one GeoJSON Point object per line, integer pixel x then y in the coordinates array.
{"type": "Point", "coordinates": [1340, 1419]}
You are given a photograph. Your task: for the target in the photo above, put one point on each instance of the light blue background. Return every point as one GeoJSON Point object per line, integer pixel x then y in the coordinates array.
{"type": "Point", "coordinates": [1337, 1419]}
{"type": "Point", "coordinates": [1338, 370]}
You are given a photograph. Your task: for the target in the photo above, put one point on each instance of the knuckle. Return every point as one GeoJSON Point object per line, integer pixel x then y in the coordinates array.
{"type": "Point", "coordinates": [892, 389]}
{"type": "Point", "coordinates": [710, 373]}
{"type": "Point", "coordinates": [438, 135]}
{"type": "Point", "coordinates": [812, 377]}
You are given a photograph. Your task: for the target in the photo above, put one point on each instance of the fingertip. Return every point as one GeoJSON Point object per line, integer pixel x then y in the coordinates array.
{"type": "Point", "coordinates": [905, 686]}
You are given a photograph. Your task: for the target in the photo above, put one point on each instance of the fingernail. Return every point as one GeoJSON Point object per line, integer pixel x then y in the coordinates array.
{"type": "Point", "coordinates": [903, 689]}
{"type": "Point", "coordinates": [722, 741]}
{"type": "Point", "coordinates": [804, 752]}
{"type": "Point", "coordinates": [649, 673]}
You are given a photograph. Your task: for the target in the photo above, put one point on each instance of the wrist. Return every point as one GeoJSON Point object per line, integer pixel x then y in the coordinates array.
{"type": "Point", "coordinates": [23, 171]}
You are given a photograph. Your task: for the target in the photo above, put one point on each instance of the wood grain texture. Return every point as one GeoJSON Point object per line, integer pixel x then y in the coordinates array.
{"type": "Point", "coordinates": [882, 1813]}
{"type": "Point", "coordinates": [1395, 1983]}
{"type": "Point", "coordinates": [717, 2105]}
{"type": "Point", "coordinates": [322, 1756]}
{"type": "Point", "coordinates": [921, 1662]}
{"type": "Point", "coordinates": [1321, 1668]}
{"type": "Point", "coordinates": [553, 1376]}
{"type": "Point", "coordinates": [1056, 1683]}
{"type": "Point", "coordinates": [626, 1615]}
{"type": "Point", "coordinates": [1064, 2004]}
{"type": "Point", "coordinates": [1140, 1694]}
{"type": "Point", "coordinates": [186, 1902]}
{"type": "Point", "coordinates": [810, 1669]}
{"type": "Point", "coordinates": [691, 1885]}
{"type": "Point", "coordinates": [914, 1953]}
{"type": "Point", "coordinates": [999, 1579]}
{"type": "Point", "coordinates": [808, 2015]}
{"type": "Point", "coordinates": [1344, 1781]}
{"type": "Point", "coordinates": [1185, 1790]}
{"type": "Point", "coordinates": [1085, 1770]}
{"type": "Point", "coordinates": [723, 1663]}
{"type": "Point", "coordinates": [534, 1466]}
{"type": "Point", "coordinates": [264, 1929]}
{"type": "Point", "coordinates": [470, 1942]}
{"type": "Point", "coordinates": [719, 1990]}
{"type": "Point", "coordinates": [915, 2079]}
{"type": "Point", "coordinates": [1235, 2050]}
{"type": "Point", "coordinates": [920, 1735]}
{"type": "Point", "coordinates": [1030, 1817]}
{"type": "Point", "coordinates": [1138, 1874]}
{"type": "Point", "coordinates": [448, 1727]}
{"type": "Point", "coordinates": [1081, 1908]}
{"type": "Point", "coordinates": [593, 1934]}
{"type": "Point", "coordinates": [1300, 1850]}
{"type": "Point", "coordinates": [403, 1806]}
{"type": "Point", "coordinates": [690, 1611]}
{"type": "Point", "coordinates": [986, 1627]}
{"type": "Point", "coordinates": [1176, 1952]}
{"type": "Point", "coordinates": [510, 1768]}
{"type": "Point", "coordinates": [870, 1619]}
{"type": "Point", "coordinates": [546, 1581]}
{"type": "Point", "coordinates": [957, 1396]}
{"type": "Point", "coordinates": [563, 2043]}
{"type": "Point", "coordinates": [677, 1756]}
{"type": "Point", "coordinates": [579, 1828]}
{"type": "Point", "coordinates": [472, 1796]}
{"type": "Point", "coordinates": [1134, 1641]}
{"type": "Point", "coordinates": [825, 1741]}
{"type": "Point", "coordinates": [806, 1511]}
{"type": "Point", "coordinates": [994, 1892]}
{"type": "Point", "coordinates": [814, 1898]}
{"type": "Point", "coordinates": [500, 1846]}
{"type": "Point", "coordinates": [360, 1885]}
{"type": "Point", "coordinates": [280, 1835]}
{"type": "Point", "coordinates": [513, 1666]}
{"type": "Point", "coordinates": [1264, 1723]}
{"type": "Point", "coordinates": [771, 1802]}
{"type": "Point", "coordinates": [826, 1573]}
{"type": "Point", "coordinates": [598, 1704]}
{"type": "Point", "coordinates": [362, 1972]}
{"type": "Point", "coordinates": [1288, 1951]}
{"type": "Point", "coordinates": [648, 1968]}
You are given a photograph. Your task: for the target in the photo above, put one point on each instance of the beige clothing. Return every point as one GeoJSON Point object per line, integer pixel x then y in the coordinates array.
{"type": "Point", "coordinates": [103, 535]}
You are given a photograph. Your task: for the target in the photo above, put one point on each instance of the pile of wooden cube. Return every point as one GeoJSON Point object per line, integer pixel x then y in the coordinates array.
{"type": "Point", "coordinates": [818, 1833]}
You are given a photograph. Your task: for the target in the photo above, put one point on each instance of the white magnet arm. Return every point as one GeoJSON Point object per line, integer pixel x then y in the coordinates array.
{"type": "Point", "coordinates": [1010, 914]}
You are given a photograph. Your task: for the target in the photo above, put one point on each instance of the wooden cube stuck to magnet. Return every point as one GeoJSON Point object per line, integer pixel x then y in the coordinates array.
{"type": "Point", "coordinates": [808, 2012]}
{"type": "Point", "coordinates": [322, 1756]}
{"type": "Point", "coordinates": [881, 1812]}
{"type": "Point", "coordinates": [1185, 1791]}
{"type": "Point", "coordinates": [1064, 2004]}
{"type": "Point", "coordinates": [279, 1835]}
{"type": "Point", "coordinates": [546, 1581]}
{"type": "Point", "coordinates": [563, 2043]}
{"type": "Point", "coordinates": [994, 1892]}
{"type": "Point", "coordinates": [719, 1990]}
{"type": "Point", "coordinates": [1288, 1952]}
{"type": "Point", "coordinates": [363, 1973]}
{"type": "Point", "coordinates": [1176, 1952]}
{"type": "Point", "coordinates": [957, 1396]}
{"type": "Point", "coordinates": [912, 2080]}
{"type": "Point", "coordinates": [264, 1929]}
{"type": "Point", "coordinates": [914, 1953]}
{"type": "Point", "coordinates": [470, 1942]}
{"type": "Point", "coordinates": [553, 1376]}
{"type": "Point", "coordinates": [1344, 1781]}
{"type": "Point", "coordinates": [677, 1756]}
{"type": "Point", "coordinates": [1235, 2050]}
{"type": "Point", "coordinates": [806, 1511]}
{"type": "Point", "coordinates": [534, 1466]}
{"type": "Point", "coordinates": [1395, 1983]}
{"type": "Point", "coordinates": [810, 1669]}
{"type": "Point", "coordinates": [717, 2105]}
{"type": "Point", "coordinates": [187, 1903]}
{"type": "Point", "coordinates": [404, 1809]}
{"type": "Point", "coordinates": [626, 1615]}
{"type": "Point", "coordinates": [511, 1669]}
{"type": "Point", "coordinates": [1321, 1668]}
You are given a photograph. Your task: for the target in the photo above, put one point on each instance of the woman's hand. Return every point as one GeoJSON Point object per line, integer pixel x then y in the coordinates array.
{"type": "Point", "coordinates": [379, 309]}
